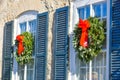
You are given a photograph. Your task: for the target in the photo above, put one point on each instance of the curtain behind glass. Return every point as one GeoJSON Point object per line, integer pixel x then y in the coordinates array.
{"type": "Point", "coordinates": [98, 68]}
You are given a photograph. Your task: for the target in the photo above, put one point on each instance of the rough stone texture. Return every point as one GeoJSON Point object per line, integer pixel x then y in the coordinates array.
{"type": "Point", "coordinates": [10, 9]}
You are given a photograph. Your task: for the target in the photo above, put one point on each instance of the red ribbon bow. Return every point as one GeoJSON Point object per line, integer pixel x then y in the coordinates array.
{"type": "Point", "coordinates": [20, 38]}
{"type": "Point", "coordinates": [84, 25]}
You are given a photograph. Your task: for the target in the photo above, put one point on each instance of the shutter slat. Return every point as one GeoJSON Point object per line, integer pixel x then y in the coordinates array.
{"type": "Point", "coordinates": [60, 49]}
{"type": "Point", "coordinates": [6, 73]}
{"type": "Point", "coordinates": [41, 48]}
{"type": "Point", "coordinates": [115, 52]}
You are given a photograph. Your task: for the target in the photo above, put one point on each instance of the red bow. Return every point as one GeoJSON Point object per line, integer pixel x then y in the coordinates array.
{"type": "Point", "coordinates": [84, 25]}
{"type": "Point", "coordinates": [20, 38]}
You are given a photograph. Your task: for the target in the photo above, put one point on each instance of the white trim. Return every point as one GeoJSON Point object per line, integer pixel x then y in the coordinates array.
{"type": "Point", "coordinates": [80, 3]}
{"type": "Point", "coordinates": [90, 70]}
{"type": "Point", "coordinates": [108, 39]}
{"type": "Point", "coordinates": [25, 72]}
{"type": "Point", "coordinates": [73, 20]}
{"type": "Point", "coordinates": [15, 65]}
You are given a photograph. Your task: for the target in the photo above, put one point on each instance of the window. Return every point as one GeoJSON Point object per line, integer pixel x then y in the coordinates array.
{"type": "Point", "coordinates": [26, 71]}
{"type": "Point", "coordinates": [26, 22]}
{"type": "Point", "coordinates": [96, 69]}
{"type": "Point", "coordinates": [84, 12]}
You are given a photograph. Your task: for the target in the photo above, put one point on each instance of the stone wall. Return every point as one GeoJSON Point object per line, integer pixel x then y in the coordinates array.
{"type": "Point", "coordinates": [10, 9]}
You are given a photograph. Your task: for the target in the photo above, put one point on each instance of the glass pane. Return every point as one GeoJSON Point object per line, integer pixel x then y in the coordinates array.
{"type": "Point", "coordinates": [83, 64]}
{"type": "Point", "coordinates": [29, 74]}
{"type": "Point", "coordinates": [87, 11]}
{"type": "Point", "coordinates": [98, 69]}
{"type": "Point", "coordinates": [104, 10]}
{"type": "Point", "coordinates": [23, 27]}
{"type": "Point", "coordinates": [32, 29]}
{"type": "Point", "coordinates": [21, 72]}
{"type": "Point", "coordinates": [32, 26]}
{"type": "Point", "coordinates": [97, 10]}
{"type": "Point", "coordinates": [84, 74]}
{"type": "Point", "coordinates": [30, 65]}
{"type": "Point", "coordinates": [81, 13]}
{"type": "Point", "coordinates": [29, 71]}
{"type": "Point", "coordinates": [21, 75]}
{"type": "Point", "coordinates": [105, 28]}
{"type": "Point", "coordinates": [30, 68]}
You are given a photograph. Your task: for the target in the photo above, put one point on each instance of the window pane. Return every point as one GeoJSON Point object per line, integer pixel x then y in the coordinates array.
{"type": "Point", "coordinates": [29, 71]}
{"type": "Point", "coordinates": [84, 74]}
{"type": "Point", "coordinates": [98, 67]}
{"type": "Point", "coordinates": [30, 68]}
{"type": "Point", "coordinates": [104, 10]}
{"type": "Point", "coordinates": [23, 27]}
{"type": "Point", "coordinates": [32, 29]}
{"type": "Point", "coordinates": [32, 26]}
{"type": "Point", "coordinates": [81, 13]}
{"type": "Point", "coordinates": [29, 74]}
{"type": "Point", "coordinates": [97, 10]}
{"type": "Point", "coordinates": [21, 75]}
{"type": "Point", "coordinates": [21, 72]}
{"type": "Point", "coordinates": [87, 11]}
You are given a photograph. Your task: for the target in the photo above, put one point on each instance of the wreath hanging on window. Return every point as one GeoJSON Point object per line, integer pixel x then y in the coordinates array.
{"type": "Point", "coordinates": [24, 43]}
{"type": "Point", "coordinates": [88, 38]}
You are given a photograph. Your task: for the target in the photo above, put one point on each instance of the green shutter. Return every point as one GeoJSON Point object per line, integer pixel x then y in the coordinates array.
{"type": "Point", "coordinates": [7, 54]}
{"type": "Point", "coordinates": [61, 43]}
{"type": "Point", "coordinates": [115, 36]}
{"type": "Point", "coordinates": [41, 48]}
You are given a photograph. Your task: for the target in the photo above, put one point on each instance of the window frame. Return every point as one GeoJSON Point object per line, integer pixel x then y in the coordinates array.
{"type": "Point", "coordinates": [25, 17]}
{"type": "Point", "coordinates": [89, 66]}
{"type": "Point", "coordinates": [76, 5]}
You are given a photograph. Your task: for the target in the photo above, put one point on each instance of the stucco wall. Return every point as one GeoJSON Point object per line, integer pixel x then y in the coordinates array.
{"type": "Point", "coordinates": [10, 9]}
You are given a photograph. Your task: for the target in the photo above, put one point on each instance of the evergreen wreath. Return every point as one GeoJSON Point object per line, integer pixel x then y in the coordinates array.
{"type": "Point", "coordinates": [25, 44]}
{"type": "Point", "coordinates": [95, 40]}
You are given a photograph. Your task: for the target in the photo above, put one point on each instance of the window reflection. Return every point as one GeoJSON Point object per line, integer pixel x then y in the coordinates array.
{"type": "Point", "coordinates": [81, 13]}
{"type": "Point", "coordinates": [84, 12]}
{"type": "Point", "coordinates": [32, 26]}
{"type": "Point", "coordinates": [97, 10]}
{"type": "Point", "coordinates": [23, 27]}
{"type": "Point", "coordinates": [87, 11]}
{"type": "Point", "coordinates": [104, 9]}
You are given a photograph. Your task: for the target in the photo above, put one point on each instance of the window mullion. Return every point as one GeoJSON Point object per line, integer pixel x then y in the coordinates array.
{"type": "Point", "coordinates": [25, 72]}
{"type": "Point", "coordinates": [90, 70]}
{"type": "Point", "coordinates": [90, 64]}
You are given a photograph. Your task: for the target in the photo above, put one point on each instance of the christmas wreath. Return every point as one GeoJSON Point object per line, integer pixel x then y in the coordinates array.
{"type": "Point", "coordinates": [88, 38]}
{"type": "Point", "coordinates": [24, 43]}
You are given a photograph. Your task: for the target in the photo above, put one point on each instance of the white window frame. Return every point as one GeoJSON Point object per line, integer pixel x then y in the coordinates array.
{"type": "Point", "coordinates": [24, 17]}
{"type": "Point", "coordinates": [73, 20]}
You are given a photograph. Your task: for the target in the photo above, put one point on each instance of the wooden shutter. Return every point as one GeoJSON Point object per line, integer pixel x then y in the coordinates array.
{"type": "Point", "coordinates": [115, 51]}
{"type": "Point", "coordinates": [41, 48]}
{"type": "Point", "coordinates": [7, 47]}
{"type": "Point", "coordinates": [60, 43]}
